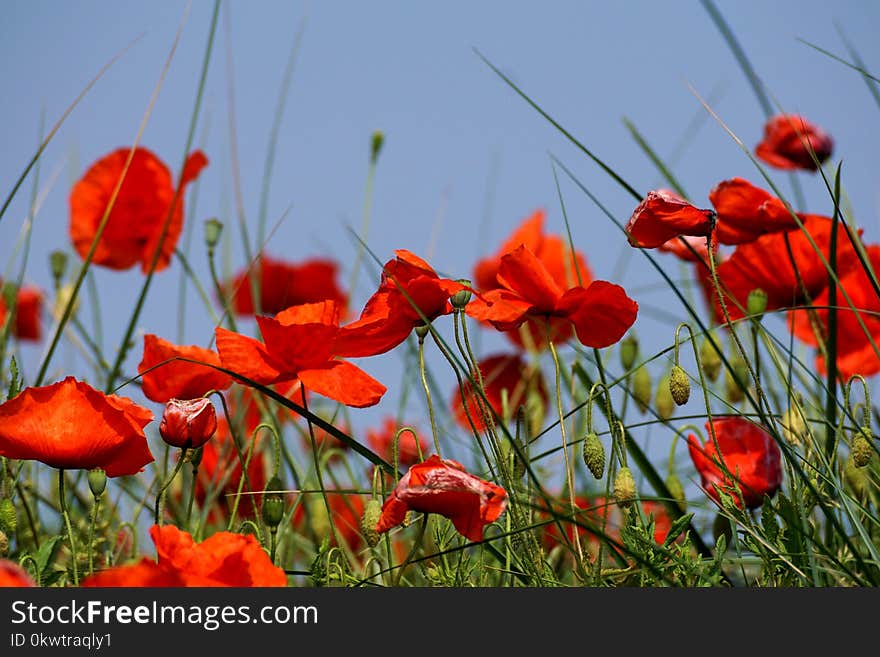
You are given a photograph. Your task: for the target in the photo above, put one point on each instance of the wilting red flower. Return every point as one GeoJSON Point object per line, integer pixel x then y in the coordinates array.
{"type": "Point", "coordinates": [13, 575]}
{"type": "Point", "coordinates": [600, 313]}
{"type": "Point", "coordinates": [71, 425]}
{"type": "Point", "coordinates": [855, 350]}
{"type": "Point", "coordinates": [788, 139]}
{"type": "Point", "coordinates": [188, 423]}
{"type": "Point", "coordinates": [300, 343]}
{"type": "Point", "coordinates": [564, 266]}
{"type": "Point", "coordinates": [411, 448]}
{"type": "Point", "coordinates": [662, 215]}
{"type": "Point", "coordinates": [689, 248]}
{"type": "Point", "coordinates": [346, 510]}
{"type": "Point", "coordinates": [746, 212]}
{"type": "Point", "coordinates": [223, 559]}
{"type": "Point", "coordinates": [502, 374]}
{"type": "Point", "coordinates": [750, 455]}
{"type": "Point", "coordinates": [177, 378]}
{"type": "Point", "coordinates": [28, 308]}
{"type": "Point", "coordinates": [390, 314]}
{"type": "Point", "coordinates": [283, 284]}
{"type": "Point", "coordinates": [139, 213]}
{"type": "Point", "coordinates": [766, 264]}
{"type": "Point", "coordinates": [442, 486]}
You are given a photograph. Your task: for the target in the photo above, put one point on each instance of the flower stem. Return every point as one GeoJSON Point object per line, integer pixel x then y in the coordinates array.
{"type": "Point", "coordinates": [62, 499]}
{"type": "Point", "coordinates": [160, 496]}
{"type": "Point", "coordinates": [428, 396]}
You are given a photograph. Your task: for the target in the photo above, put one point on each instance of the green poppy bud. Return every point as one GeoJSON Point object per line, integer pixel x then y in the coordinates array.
{"type": "Point", "coordinates": [376, 143]}
{"type": "Point", "coordinates": [641, 388]}
{"type": "Point", "coordinates": [861, 448]}
{"type": "Point", "coordinates": [8, 520]}
{"type": "Point", "coordinates": [710, 361]}
{"type": "Point", "coordinates": [629, 349]}
{"type": "Point", "coordinates": [213, 228]}
{"type": "Point", "coordinates": [594, 455]}
{"type": "Point", "coordinates": [372, 513]}
{"type": "Point", "coordinates": [663, 399]}
{"type": "Point", "coordinates": [272, 508]}
{"type": "Point", "coordinates": [624, 488]}
{"type": "Point", "coordinates": [97, 481]}
{"type": "Point", "coordinates": [679, 385]}
{"type": "Point", "coordinates": [673, 483]}
{"type": "Point", "coordinates": [58, 265]}
{"type": "Point", "coordinates": [756, 303]}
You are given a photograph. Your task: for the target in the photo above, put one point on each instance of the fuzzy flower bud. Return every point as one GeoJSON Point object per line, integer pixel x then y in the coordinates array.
{"type": "Point", "coordinates": [188, 423]}
{"type": "Point", "coordinates": [756, 303]}
{"type": "Point", "coordinates": [629, 349]}
{"type": "Point", "coordinates": [673, 483]}
{"type": "Point", "coordinates": [97, 481]}
{"type": "Point", "coordinates": [272, 508]}
{"type": "Point", "coordinates": [861, 448]}
{"type": "Point", "coordinates": [794, 428]}
{"type": "Point", "coordinates": [372, 513]}
{"type": "Point", "coordinates": [710, 361]}
{"type": "Point", "coordinates": [8, 520]}
{"type": "Point", "coordinates": [679, 385]}
{"type": "Point", "coordinates": [641, 388]}
{"type": "Point", "coordinates": [624, 488]}
{"type": "Point", "coordinates": [663, 399]}
{"type": "Point", "coordinates": [594, 455]}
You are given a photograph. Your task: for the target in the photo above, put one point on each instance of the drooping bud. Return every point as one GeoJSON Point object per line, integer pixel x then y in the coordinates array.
{"type": "Point", "coordinates": [679, 385]}
{"type": "Point", "coordinates": [735, 384]}
{"type": "Point", "coordinates": [594, 454]}
{"type": "Point", "coordinates": [97, 481]}
{"type": "Point", "coordinates": [376, 142]}
{"type": "Point", "coordinates": [663, 399]}
{"type": "Point", "coordinates": [673, 483]}
{"type": "Point", "coordinates": [710, 361]}
{"type": "Point", "coordinates": [756, 303]}
{"type": "Point", "coordinates": [58, 265]}
{"type": "Point", "coordinates": [272, 507]}
{"type": "Point", "coordinates": [624, 488]}
{"type": "Point", "coordinates": [641, 388]}
{"type": "Point", "coordinates": [461, 298]}
{"type": "Point", "coordinates": [372, 513]}
{"type": "Point", "coordinates": [629, 349]}
{"type": "Point", "coordinates": [861, 448]}
{"type": "Point", "coordinates": [8, 520]}
{"type": "Point", "coordinates": [213, 229]}
{"type": "Point", "coordinates": [188, 423]}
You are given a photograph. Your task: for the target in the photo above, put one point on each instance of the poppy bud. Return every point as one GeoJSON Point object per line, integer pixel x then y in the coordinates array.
{"type": "Point", "coordinates": [461, 298]}
{"type": "Point", "coordinates": [641, 388]}
{"type": "Point", "coordinates": [376, 143]}
{"type": "Point", "coordinates": [8, 521]}
{"type": "Point", "coordinates": [624, 488]}
{"type": "Point", "coordinates": [663, 399]}
{"type": "Point", "coordinates": [213, 228]}
{"type": "Point", "coordinates": [62, 298]}
{"type": "Point", "coordinates": [372, 513]}
{"type": "Point", "coordinates": [736, 383]}
{"type": "Point", "coordinates": [422, 330]}
{"type": "Point", "coordinates": [272, 508]}
{"type": "Point", "coordinates": [629, 349]}
{"type": "Point", "coordinates": [188, 423]}
{"type": "Point", "coordinates": [97, 481]}
{"type": "Point", "coordinates": [594, 455]}
{"type": "Point", "coordinates": [673, 483]}
{"type": "Point", "coordinates": [710, 361]}
{"type": "Point", "coordinates": [756, 303]}
{"type": "Point", "coordinates": [793, 426]}
{"type": "Point", "coordinates": [4, 544]}
{"type": "Point", "coordinates": [857, 478]}
{"type": "Point", "coordinates": [58, 265]}
{"type": "Point", "coordinates": [861, 448]}
{"type": "Point", "coordinates": [679, 385]}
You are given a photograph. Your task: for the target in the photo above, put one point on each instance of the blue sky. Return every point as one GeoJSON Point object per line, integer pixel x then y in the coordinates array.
{"type": "Point", "coordinates": [465, 159]}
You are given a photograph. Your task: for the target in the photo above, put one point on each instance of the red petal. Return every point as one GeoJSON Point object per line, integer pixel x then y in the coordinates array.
{"type": "Point", "coordinates": [601, 313]}
{"type": "Point", "coordinates": [345, 383]}
{"type": "Point", "coordinates": [522, 272]}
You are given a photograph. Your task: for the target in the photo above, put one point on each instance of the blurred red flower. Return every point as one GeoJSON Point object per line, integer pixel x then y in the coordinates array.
{"type": "Point", "coordinates": [663, 215]}
{"type": "Point", "coordinates": [28, 313]}
{"type": "Point", "coordinates": [13, 575]}
{"type": "Point", "coordinates": [346, 510]}
{"type": "Point", "coordinates": [139, 213]}
{"type": "Point", "coordinates": [223, 559]}
{"type": "Point", "coordinates": [601, 312]}
{"type": "Point", "coordinates": [788, 139]}
{"type": "Point", "coordinates": [188, 423]}
{"type": "Point", "coordinates": [410, 448]}
{"type": "Point", "coordinates": [750, 455]}
{"type": "Point", "coordinates": [390, 314]}
{"type": "Point", "coordinates": [71, 425]}
{"type": "Point", "coordinates": [300, 343]}
{"type": "Point", "coordinates": [443, 486]}
{"type": "Point", "coordinates": [284, 284]}
{"type": "Point", "coordinates": [746, 212]}
{"type": "Point", "coordinates": [502, 374]}
{"type": "Point", "coordinates": [178, 379]}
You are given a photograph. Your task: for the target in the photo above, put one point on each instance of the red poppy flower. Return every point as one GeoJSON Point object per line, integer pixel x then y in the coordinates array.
{"type": "Point", "coordinates": [71, 425]}
{"type": "Point", "coordinates": [283, 284]}
{"type": "Point", "coordinates": [750, 455]}
{"type": "Point", "coordinates": [663, 215]}
{"type": "Point", "coordinates": [855, 349]}
{"type": "Point", "coordinates": [788, 139]}
{"type": "Point", "coordinates": [346, 510]}
{"type": "Point", "coordinates": [601, 313]}
{"type": "Point", "coordinates": [442, 486]}
{"type": "Point", "coordinates": [223, 559]}
{"type": "Point", "coordinates": [139, 213]}
{"type": "Point", "coordinates": [13, 575]}
{"type": "Point", "coordinates": [565, 267]}
{"type": "Point", "coordinates": [410, 448]}
{"type": "Point", "coordinates": [178, 379]}
{"type": "Point", "coordinates": [766, 264]}
{"type": "Point", "coordinates": [502, 374]}
{"type": "Point", "coordinates": [300, 343]}
{"type": "Point", "coordinates": [407, 283]}
{"type": "Point", "coordinates": [689, 248]}
{"type": "Point", "coordinates": [28, 313]}
{"type": "Point", "coordinates": [188, 423]}
{"type": "Point", "coordinates": [746, 212]}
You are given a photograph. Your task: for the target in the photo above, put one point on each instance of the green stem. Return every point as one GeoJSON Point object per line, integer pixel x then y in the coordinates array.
{"type": "Point", "coordinates": [428, 395]}
{"type": "Point", "coordinates": [92, 524]}
{"type": "Point", "coordinates": [157, 515]}
{"type": "Point", "coordinates": [63, 501]}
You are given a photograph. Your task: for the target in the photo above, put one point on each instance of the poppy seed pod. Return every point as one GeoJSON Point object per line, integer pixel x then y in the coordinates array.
{"type": "Point", "coordinates": [756, 303]}
{"type": "Point", "coordinates": [213, 228]}
{"type": "Point", "coordinates": [272, 507]}
{"type": "Point", "coordinates": [97, 481]}
{"type": "Point", "coordinates": [188, 423]}
{"type": "Point", "coordinates": [461, 298]}
{"type": "Point", "coordinates": [679, 385]}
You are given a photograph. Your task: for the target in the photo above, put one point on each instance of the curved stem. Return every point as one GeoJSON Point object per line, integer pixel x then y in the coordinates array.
{"type": "Point", "coordinates": [161, 494]}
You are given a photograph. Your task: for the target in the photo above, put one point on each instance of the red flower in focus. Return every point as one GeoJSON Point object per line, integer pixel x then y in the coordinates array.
{"type": "Point", "coordinates": [223, 559]}
{"type": "Point", "coordinates": [390, 314]}
{"type": "Point", "coordinates": [788, 140]}
{"type": "Point", "coordinates": [600, 313]}
{"type": "Point", "coordinates": [442, 486]}
{"type": "Point", "coordinates": [663, 215]}
{"type": "Point", "coordinates": [71, 425]}
{"type": "Point", "coordinates": [689, 249]}
{"type": "Point", "coordinates": [346, 510]}
{"type": "Point", "coordinates": [855, 349]}
{"type": "Point", "coordinates": [746, 212]}
{"type": "Point", "coordinates": [28, 308]}
{"type": "Point", "coordinates": [300, 343]}
{"type": "Point", "coordinates": [283, 284]}
{"type": "Point", "coordinates": [411, 448]}
{"type": "Point", "coordinates": [139, 213]}
{"type": "Point", "coordinates": [188, 423]}
{"type": "Point", "coordinates": [750, 455]}
{"type": "Point", "coordinates": [13, 575]}
{"type": "Point", "coordinates": [503, 374]}
{"type": "Point", "coordinates": [177, 378]}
